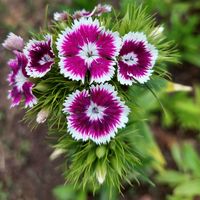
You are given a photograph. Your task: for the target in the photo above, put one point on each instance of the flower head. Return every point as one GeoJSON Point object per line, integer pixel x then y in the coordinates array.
{"type": "Point", "coordinates": [87, 47]}
{"type": "Point", "coordinates": [13, 42]}
{"type": "Point", "coordinates": [40, 57]}
{"type": "Point", "coordinates": [18, 79]}
{"type": "Point", "coordinates": [60, 16]}
{"type": "Point", "coordinates": [96, 114]}
{"type": "Point", "coordinates": [100, 9]}
{"type": "Point", "coordinates": [81, 13]}
{"type": "Point", "coordinates": [137, 58]}
{"type": "Point", "coordinates": [97, 11]}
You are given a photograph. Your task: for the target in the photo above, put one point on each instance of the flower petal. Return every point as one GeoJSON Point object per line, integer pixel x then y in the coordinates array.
{"type": "Point", "coordinates": [15, 96]}
{"type": "Point", "coordinates": [109, 44]}
{"type": "Point", "coordinates": [30, 99]}
{"type": "Point", "coordinates": [101, 70]}
{"type": "Point", "coordinates": [73, 68]}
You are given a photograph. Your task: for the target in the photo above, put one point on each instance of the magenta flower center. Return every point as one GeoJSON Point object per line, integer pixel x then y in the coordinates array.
{"type": "Point", "coordinates": [89, 53]}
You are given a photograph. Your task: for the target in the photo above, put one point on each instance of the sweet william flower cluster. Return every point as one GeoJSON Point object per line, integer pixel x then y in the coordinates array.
{"type": "Point", "coordinates": [89, 53]}
{"type": "Point", "coordinates": [84, 74]}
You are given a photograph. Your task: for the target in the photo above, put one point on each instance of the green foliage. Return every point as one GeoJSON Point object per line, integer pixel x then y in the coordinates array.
{"type": "Point", "coordinates": [148, 147]}
{"type": "Point", "coordinates": [186, 180]}
{"type": "Point", "coordinates": [84, 4]}
{"type": "Point", "coordinates": [67, 192]}
{"type": "Point", "coordinates": [182, 109]}
{"type": "Point", "coordinates": [87, 162]}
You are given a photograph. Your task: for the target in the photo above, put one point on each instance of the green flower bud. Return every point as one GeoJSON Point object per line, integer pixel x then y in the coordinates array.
{"type": "Point", "coordinates": [101, 151]}
{"type": "Point", "coordinates": [101, 172]}
{"type": "Point", "coordinates": [41, 87]}
{"type": "Point", "coordinates": [117, 166]}
{"type": "Point", "coordinates": [90, 158]}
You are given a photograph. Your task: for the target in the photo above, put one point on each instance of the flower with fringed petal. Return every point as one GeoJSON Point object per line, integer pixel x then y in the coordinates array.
{"type": "Point", "coordinates": [40, 57]}
{"type": "Point", "coordinates": [88, 48]}
{"type": "Point", "coordinates": [95, 114]}
{"type": "Point", "coordinates": [137, 58]}
{"type": "Point", "coordinates": [18, 79]}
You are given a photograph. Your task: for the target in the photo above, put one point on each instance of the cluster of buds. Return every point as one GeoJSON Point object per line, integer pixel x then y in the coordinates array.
{"type": "Point", "coordinates": [97, 11]}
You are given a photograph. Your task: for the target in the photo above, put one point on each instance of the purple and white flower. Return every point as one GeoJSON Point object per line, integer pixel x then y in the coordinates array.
{"type": "Point", "coordinates": [137, 58]}
{"type": "Point", "coordinates": [100, 9]}
{"type": "Point", "coordinates": [88, 47]}
{"type": "Point", "coordinates": [60, 16]}
{"type": "Point", "coordinates": [13, 42]}
{"type": "Point", "coordinates": [96, 114]}
{"type": "Point", "coordinates": [81, 13]}
{"type": "Point", "coordinates": [40, 57]}
{"type": "Point", "coordinates": [97, 11]}
{"type": "Point", "coordinates": [18, 79]}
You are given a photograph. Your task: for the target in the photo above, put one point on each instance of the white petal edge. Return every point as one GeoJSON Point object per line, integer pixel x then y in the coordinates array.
{"type": "Point", "coordinates": [135, 36]}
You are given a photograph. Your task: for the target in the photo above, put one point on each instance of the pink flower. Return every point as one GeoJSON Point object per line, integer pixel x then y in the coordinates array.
{"type": "Point", "coordinates": [60, 16]}
{"type": "Point", "coordinates": [97, 11]}
{"type": "Point", "coordinates": [96, 114]}
{"type": "Point", "coordinates": [88, 48]}
{"type": "Point", "coordinates": [40, 57]}
{"type": "Point", "coordinates": [13, 42]}
{"type": "Point", "coordinates": [18, 79]}
{"type": "Point", "coordinates": [100, 9]}
{"type": "Point", "coordinates": [137, 58]}
{"type": "Point", "coordinates": [81, 13]}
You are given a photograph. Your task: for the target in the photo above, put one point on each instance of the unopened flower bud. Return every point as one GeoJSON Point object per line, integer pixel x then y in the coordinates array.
{"type": "Point", "coordinates": [56, 153]}
{"type": "Point", "coordinates": [101, 172]}
{"type": "Point", "coordinates": [42, 116]}
{"type": "Point", "coordinates": [100, 151]}
{"type": "Point", "coordinates": [41, 87]}
{"type": "Point", "coordinates": [60, 16]}
{"type": "Point", "coordinates": [157, 31]}
{"type": "Point", "coordinates": [174, 87]}
{"type": "Point", "coordinates": [13, 42]}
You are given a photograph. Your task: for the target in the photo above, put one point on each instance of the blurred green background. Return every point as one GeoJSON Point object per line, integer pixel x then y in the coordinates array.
{"type": "Point", "coordinates": [171, 139]}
